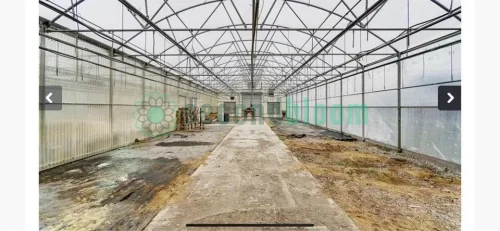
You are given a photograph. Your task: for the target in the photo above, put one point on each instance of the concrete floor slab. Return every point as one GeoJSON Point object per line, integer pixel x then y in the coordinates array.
{"type": "Point", "coordinates": [251, 177]}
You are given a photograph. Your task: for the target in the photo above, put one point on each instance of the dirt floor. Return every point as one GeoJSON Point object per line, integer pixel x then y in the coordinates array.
{"type": "Point", "coordinates": [125, 188]}
{"type": "Point", "coordinates": [378, 188]}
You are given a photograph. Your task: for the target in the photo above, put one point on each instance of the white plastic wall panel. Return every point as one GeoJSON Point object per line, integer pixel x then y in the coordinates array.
{"type": "Point", "coordinates": [88, 125]}
{"type": "Point", "coordinates": [384, 98]}
{"type": "Point", "coordinates": [455, 64]}
{"type": "Point", "coordinates": [333, 118]}
{"type": "Point", "coordinates": [381, 125]}
{"type": "Point", "coordinates": [432, 132]}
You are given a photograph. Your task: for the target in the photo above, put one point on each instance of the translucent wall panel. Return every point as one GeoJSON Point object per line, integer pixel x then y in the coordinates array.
{"type": "Point", "coordinates": [321, 113]}
{"type": "Point", "coordinates": [74, 132]}
{"type": "Point", "coordinates": [321, 92]}
{"type": "Point", "coordinates": [382, 125]}
{"type": "Point", "coordinates": [456, 51]}
{"type": "Point", "coordinates": [351, 121]}
{"type": "Point", "coordinates": [333, 119]}
{"type": "Point", "coordinates": [351, 100]}
{"type": "Point", "coordinates": [432, 132]}
{"type": "Point", "coordinates": [437, 66]}
{"type": "Point", "coordinates": [385, 98]}
{"type": "Point", "coordinates": [425, 129]}
{"type": "Point", "coordinates": [90, 123]}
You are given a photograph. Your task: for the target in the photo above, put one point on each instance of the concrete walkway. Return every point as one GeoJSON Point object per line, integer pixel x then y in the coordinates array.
{"type": "Point", "coordinates": [251, 177]}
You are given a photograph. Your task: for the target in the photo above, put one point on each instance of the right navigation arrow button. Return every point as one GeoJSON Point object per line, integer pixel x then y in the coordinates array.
{"type": "Point", "coordinates": [451, 97]}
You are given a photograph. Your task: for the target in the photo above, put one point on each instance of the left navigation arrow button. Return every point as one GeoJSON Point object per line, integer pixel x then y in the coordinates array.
{"type": "Point", "coordinates": [48, 97]}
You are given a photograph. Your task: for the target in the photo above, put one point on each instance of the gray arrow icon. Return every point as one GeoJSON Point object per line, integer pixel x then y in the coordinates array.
{"type": "Point", "coordinates": [50, 97]}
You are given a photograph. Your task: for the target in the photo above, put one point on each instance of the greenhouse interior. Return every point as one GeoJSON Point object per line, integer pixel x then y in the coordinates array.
{"type": "Point", "coordinates": [262, 114]}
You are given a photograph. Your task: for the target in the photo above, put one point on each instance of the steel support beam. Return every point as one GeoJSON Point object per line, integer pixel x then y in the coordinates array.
{"type": "Point", "coordinates": [101, 65]}
{"type": "Point", "coordinates": [101, 34]}
{"type": "Point", "coordinates": [365, 53]}
{"type": "Point", "coordinates": [258, 29]}
{"type": "Point", "coordinates": [255, 19]}
{"type": "Point", "coordinates": [352, 73]}
{"type": "Point", "coordinates": [153, 25]}
{"type": "Point", "coordinates": [66, 11]}
{"type": "Point", "coordinates": [243, 75]}
{"type": "Point", "coordinates": [260, 54]}
{"type": "Point", "coordinates": [446, 9]}
{"type": "Point", "coordinates": [112, 59]}
{"type": "Point", "coordinates": [337, 37]}
{"type": "Point", "coordinates": [261, 67]}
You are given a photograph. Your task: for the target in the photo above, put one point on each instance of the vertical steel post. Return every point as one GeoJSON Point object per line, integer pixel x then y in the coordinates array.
{"type": "Point", "coordinates": [301, 105]}
{"type": "Point", "coordinates": [399, 102]}
{"type": "Point", "coordinates": [341, 107]}
{"type": "Point", "coordinates": [363, 103]}
{"type": "Point", "coordinates": [41, 78]}
{"type": "Point", "coordinates": [165, 98]}
{"type": "Point", "coordinates": [111, 89]}
{"type": "Point", "coordinates": [143, 88]}
{"type": "Point", "coordinates": [326, 106]}
{"type": "Point", "coordinates": [286, 106]}
{"type": "Point", "coordinates": [316, 104]}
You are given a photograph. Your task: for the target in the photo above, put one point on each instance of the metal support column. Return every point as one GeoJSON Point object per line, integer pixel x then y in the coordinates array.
{"type": "Point", "coordinates": [316, 104]}
{"type": "Point", "coordinates": [341, 107]}
{"type": "Point", "coordinates": [363, 103]}
{"type": "Point", "coordinates": [301, 105]}
{"type": "Point", "coordinates": [326, 106]}
{"type": "Point", "coordinates": [165, 98]}
{"type": "Point", "coordinates": [399, 103]}
{"type": "Point", "coordinates": [41, 78]}
{"type": "Point", "coordinates": [111, 89]}
{"type": "Point", "coordinates": [286, 106]}
{"type": "Point", "coordinates": [143, 88]}
{"type": "Point", "coordinates": [179, 90]}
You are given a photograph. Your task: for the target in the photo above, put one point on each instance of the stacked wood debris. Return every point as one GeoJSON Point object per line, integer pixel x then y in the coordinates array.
{"type": "Point", "coordinates": [182, 119]}
{"type": "Point", "coordinates": [188, 118]}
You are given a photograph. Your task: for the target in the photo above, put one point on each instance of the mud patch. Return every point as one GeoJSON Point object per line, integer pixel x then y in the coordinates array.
{"type": "Point", "coordinates": [103, 198]}
{"type": "Point", "coordinates": [182, 143]}
{"type": "Point", "coordinates": [180, 135]}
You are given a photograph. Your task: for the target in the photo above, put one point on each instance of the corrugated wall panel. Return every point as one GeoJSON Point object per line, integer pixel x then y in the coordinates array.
{"type": "Point", "coordinates": [88, 124]}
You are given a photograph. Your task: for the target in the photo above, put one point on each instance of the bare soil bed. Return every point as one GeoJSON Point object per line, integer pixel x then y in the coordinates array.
{"type": "Point", "coordinates": [378, 188]}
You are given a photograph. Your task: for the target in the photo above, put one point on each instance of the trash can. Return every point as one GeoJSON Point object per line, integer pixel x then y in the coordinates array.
{"type": "Point", "coordinates": [226, 116]}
